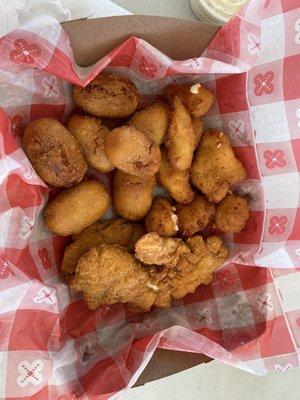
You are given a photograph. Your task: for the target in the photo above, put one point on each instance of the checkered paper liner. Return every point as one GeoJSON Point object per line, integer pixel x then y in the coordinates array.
{"type": "Point", "coordinates": [51, 345]}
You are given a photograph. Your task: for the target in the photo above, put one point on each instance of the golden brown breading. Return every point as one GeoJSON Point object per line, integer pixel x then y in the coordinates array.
{"type": "Point", "coordinates": [232, 214]}
{"type": "Point", "coordinates": [196, 97]}
{"type": "Point", "coordinates": [109, 274]}
{"type": "Point", "coordinates": [154, 249]}
{"type": "Point", "coordinates": [114, 231]}
{"type": "Point", "coordinates": [180, 138]}
{"type": "Point", "coordinates": [153, 121]}
{"type": "Point", "coordinates": [194, 217]}
{"type": "Point", "coordinates": [109, 96]}
{"type": "Point", "coordinates": [176, 182]}
{"type": "Point", "coordinates": [77, 208]}
{"type": "Point", "coordinates": [132, 151]}
{"type": "Point", "coordinates": [132, 195]}
{"type": "Point", "coordinates": [91, 134]}
{"type": "Point", "coordinates": [215, 167]}
{"type": "Point", "coordinates": [54, 153]}
{"type": "Point", "coordinates": [198, 130]}
{"type": "Point", "coordinates": [162, 218]}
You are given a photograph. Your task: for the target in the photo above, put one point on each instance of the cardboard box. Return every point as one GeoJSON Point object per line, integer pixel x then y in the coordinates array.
{"type": "Point", "coordinates": [179, 39]}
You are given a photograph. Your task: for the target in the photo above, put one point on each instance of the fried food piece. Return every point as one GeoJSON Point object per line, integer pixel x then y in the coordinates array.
{"type": "Point", "coordinates": [77, 208]}
{"type": "Point", "coordinates": [114, 231]}
{"type": "Point", "coordinates": [162, 218]}
{"type": "Point", "coordinates": [198, 130]}
{"type": "Point", "coordinates": [194, 217]}
{"type": "Point", "coordinates": [232, 214]}
{"type": "Point", "coordinates": [154, 249]}
{"type": "Point", "coordinates": [196, 98]}
{"type": "Point", "coordinates": [180, 138]}
{"type": "Point", "coordinates": [91, 134]}
{"type": "Point", "coordinates": [109, 96]}
{"type": "Point", "coordinates": [153, 121]}
{"type": "Point", "coordinates": [132, 195]}
{"type": "Point", "coordinates": [215, 167]}
{"type": "Point", "coordinates": [54, 153]}
{"type": "Point", "coordinates": [132, 151]}
{"type": "Point", "coordinates": [109, 274]}
{"type": "Point", "coordinates": [176, 182]}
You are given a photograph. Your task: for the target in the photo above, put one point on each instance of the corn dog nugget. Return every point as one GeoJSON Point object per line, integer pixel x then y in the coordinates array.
{"type": "Point", "coordinates": [132, 151]}
{"type": "Point", "coordinates": [215, 167]}
{"type": "Point", "coordinates": [180, 138]}
{"type": "Point", "coordinates": [196, 97]}
{"type": "Point", "coordinates": [77, 208]}
{"type": "Point", "coordinates": [176, 182]}
{"type": "Point", "coordinates": [109, 96]}
{"type": "Point", "coordinates": [132, 195]}
{"type": "Point", "coordinates": [91, 134]}
{"type": "Point", "coordinates": [54, 153]}
{"type": "Point", "coordinates": [232, 214]}
{"type": "Point", "coordinates": [153, 121]}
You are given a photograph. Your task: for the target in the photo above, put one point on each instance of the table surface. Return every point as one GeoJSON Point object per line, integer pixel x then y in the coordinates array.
{"type": "Point", "coordinates": [212, 381]}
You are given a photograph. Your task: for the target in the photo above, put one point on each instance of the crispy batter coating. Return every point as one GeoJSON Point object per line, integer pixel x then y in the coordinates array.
{"type": "Point", "coordinates": [91, 134]}
{"type": "Point", "coordinates": [176, 182]}
{"type": "Point", "coordinates": [215, 167]}
{"type": "Point", "coordinates": [77, 208]}
{"type": "Point", "coordinates": [180, 138]}
{"type": "Point", "coordinates": [132, 151]}
{"type": "Point", "coordinates": [194, 217]}
{"type": "Point", "coordinates": [109, 96]}
{"type": "Point", "coordinates": [196, 98]}
{"type": "Point", "coordinates": [153, 121]}
{"type": "Point", "coordinates": [54, 153]}
{"type": "Point", "coordinates": [114, 231]}
{"type": "Point", "coordinates": [232, 214]}
{"type": "Point", "coordinates": [198, 130]}
{"type": "Point", "coordinates": [109, 274]}
{"type": "Point", "coordinates": [132, 195]}
{"type": "Point", "coordinates": [162, 218]}
{"type": "Point", "coordinates": [154, 249]}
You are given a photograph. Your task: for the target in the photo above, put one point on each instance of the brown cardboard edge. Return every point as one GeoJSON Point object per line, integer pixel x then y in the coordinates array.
{"type": "Point", "coordinates": [179, 39]}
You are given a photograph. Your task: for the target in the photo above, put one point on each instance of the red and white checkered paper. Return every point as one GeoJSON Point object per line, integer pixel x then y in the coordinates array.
{"type": "Point", "coordinates": [51, 345]}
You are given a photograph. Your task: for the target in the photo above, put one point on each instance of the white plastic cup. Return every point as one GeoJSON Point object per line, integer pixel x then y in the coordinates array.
{"type": "Point", "coordinates": [216, 11]}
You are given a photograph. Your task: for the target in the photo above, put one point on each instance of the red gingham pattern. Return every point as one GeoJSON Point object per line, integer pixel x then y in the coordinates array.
{"type": "Point", "coordinates": [51, 345]}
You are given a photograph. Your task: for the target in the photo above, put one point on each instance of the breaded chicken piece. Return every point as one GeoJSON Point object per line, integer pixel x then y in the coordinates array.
{"type": "Point", "coordinates": [162, 218]}
{"type": "Point", "coordinates": [109, 274]}
{"type": "Point", "coordinates": [154, 249]}
{"type": "Point", "coordinates": [215, 167]}
{"type": "Point", "coordinates": [232, 214]}
{"type": "Point", "coordinates": [114, 231]}
{"type": "Point", "coordinates": [194, 217]}
{"type": "Point", "coordinates": [198, 130]}
{"type": "Point", "coordinates": [176, 182]}
{"type": "Point", "coordinates": [196, 97]}
{"type": "Point", "coordinates": [153, 121]}
{"type": "Point", "coordinates": [180, 138]}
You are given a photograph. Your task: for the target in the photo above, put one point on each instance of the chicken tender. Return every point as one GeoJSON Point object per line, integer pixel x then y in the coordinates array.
{"type": "Point", "coordinates": [77, 208]}
{"type": "Point", "coordinates": [153, 121]}
{"type": "Point", "coordinates": [162, 218]}
{"type": "Point", "coordinates": [54, 153]}
{"type": "Point", "coordinates": [196, 98]}
{"type": "Point", "coordinates": [132, 151]}
{"type": "Point", "coordinates": [215, 167]}
{"type": "Point", "coordinates": [109, 274]}
{"type": "Point", "coordinates": [194, 217]}
{"type": "Point", "coordinates": [114, 231]}
{"type": "Point", "coordinates": [180, 138]}
{"type": "Point", "coordinates": [91, 134]}
{"type": "Point", "coordinates": [176, 182]}
{"type": "Point", "coordinates": [198, 130]}
{"type": "Point", "coordinates": [232, 214]}
{"type": "Point", "coordinates": [109, 96]}
{"type": "Point", "coordinates": [154, 249]}
{"type": "Point", "coordinates": [132, 195]}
